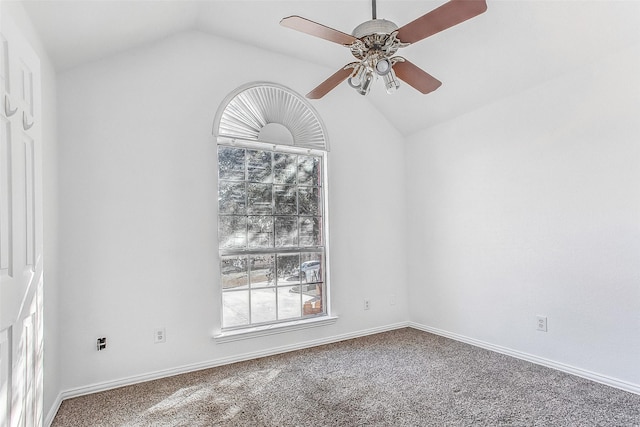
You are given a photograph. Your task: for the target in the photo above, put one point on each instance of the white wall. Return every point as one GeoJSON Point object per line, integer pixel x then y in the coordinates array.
{"type": "Point", "coordinates": [138, 207]}
{"type": "Point", "coordinates": [16, 12]}
{"type": "Point", "coordinates": [531, 206]}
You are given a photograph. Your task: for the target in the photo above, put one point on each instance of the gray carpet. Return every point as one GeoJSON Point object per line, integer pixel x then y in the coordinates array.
{"type": "Point", "coordinates": [399, 378]}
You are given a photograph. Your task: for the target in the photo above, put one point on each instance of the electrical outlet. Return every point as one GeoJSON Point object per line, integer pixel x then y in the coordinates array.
{"type": "Point", "coordinates": [392, 300]}
{"type": "Point", "coordinates": [367, 304]}
{"type": "Point", "coordinates": [542, 323]}
{"type": "Point", "coordinates": [101, 343]}
{"type": "Point", "coordinates": [159, 336]}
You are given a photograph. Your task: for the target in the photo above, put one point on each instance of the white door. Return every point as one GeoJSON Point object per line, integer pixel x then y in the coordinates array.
{"type": "Point", "coordinates": [20, 232]}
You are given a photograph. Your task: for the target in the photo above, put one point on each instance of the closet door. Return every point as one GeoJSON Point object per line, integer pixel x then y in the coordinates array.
{"type": "Point", "coordinates": [20, 232]}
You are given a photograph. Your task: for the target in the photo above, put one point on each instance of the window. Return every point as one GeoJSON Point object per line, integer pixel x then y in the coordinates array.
{"type": "Point", "coordinates": [271, 234]}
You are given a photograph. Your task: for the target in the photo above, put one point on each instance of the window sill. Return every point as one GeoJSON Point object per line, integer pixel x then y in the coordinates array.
{"type": "Point", "coordinates": [260, 331]}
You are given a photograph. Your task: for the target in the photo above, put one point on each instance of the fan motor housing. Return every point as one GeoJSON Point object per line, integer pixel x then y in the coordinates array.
{"type": "Point", "coordinates": [374, 26]}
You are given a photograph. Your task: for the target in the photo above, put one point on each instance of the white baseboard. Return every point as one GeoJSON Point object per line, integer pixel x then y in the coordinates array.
{"type": "Point", "coordinates": [53, 411]}
{"type": "Point", "coordinates": [593, 376]}
{"type": "Point", "coordinates": [108, 385]}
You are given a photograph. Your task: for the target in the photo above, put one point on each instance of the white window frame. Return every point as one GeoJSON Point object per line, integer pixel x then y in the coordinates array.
{"type": "Point", "coordinates": [233, 333]}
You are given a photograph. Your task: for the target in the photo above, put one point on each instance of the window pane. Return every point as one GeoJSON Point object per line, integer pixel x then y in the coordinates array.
{"type": "Point", "coordinates": [232, 231]}
{"type": "Point", "coordinates": [284, 168]}
{"type": "Point", "coordinates": [234, 272]}
{"type": "Point", "coordinates": [232, 198]}
{"type": "Point", "coordinates": [308, 170]}
{"type": "Point", "coordinates": [286, 231]}
{"type": "Point", "coordinates": [231, 163]}
{"type": "Point", "coordinates": [288, 269]}
{"type": "Point", "coordinates": [313, 305]}
{"type": "Point", "coordinates": [260, 231]}
{"type": "Point", "coordinates": [286, 202]}
{"type": "Point", "coordinates": [311, 267]}
{"type": "Point", "coordinates": [259, 166]}
{"type": "Point", "coordinates": [263, 305]}
{"type": "Point", "coordinates": [260, 199]}
{"type": "Point", "coordinates": [310, 231]}
{"type": "Point", "coordinates": [262, 269]}
{"type": "Point", "coordinates": [235, 308]}
{"type": "Point", "coordinates": [289, 303]}
{"type": "Point", "coordinates": [309, 201]}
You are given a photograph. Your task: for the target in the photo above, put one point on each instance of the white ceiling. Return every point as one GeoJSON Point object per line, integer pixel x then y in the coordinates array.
{"type": "Point", "coordinates": [513, 46]}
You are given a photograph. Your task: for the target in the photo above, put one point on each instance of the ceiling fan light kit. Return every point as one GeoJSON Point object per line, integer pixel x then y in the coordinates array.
{"type": "Point", "coordinates": [374, 44]}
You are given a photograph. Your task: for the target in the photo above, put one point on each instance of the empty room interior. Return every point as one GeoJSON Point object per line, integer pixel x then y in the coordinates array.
{"type": "Point", "coordinates": [194, 185]}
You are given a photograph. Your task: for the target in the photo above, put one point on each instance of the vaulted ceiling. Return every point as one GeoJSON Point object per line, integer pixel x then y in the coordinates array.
{"type": "Point", "coordinates": [515, 45]}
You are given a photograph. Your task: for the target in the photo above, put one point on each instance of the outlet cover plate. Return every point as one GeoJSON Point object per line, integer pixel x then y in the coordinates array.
{"type": "Point", "coordinates": [541, 323]}
{"type": "Point", "coordinates": [160, 336]}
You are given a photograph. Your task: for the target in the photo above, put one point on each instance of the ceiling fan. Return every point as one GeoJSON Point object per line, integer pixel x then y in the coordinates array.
{"type": "Point", "coordinates": [374, 44]}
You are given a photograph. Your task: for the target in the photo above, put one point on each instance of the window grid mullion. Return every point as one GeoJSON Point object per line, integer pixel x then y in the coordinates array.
{"type": "Point", "coordinates": [250, 288]}
{"type": "Point", "coordinates": [273, 232]}
{"type": "Point", "coordinates": [276, 285]}
{"type": "Point", "coordinates": [246, 209]}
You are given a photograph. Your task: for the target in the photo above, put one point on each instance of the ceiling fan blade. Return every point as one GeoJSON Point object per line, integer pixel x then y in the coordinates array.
{"type": "Point", "coordinates": [327, 85]}
{"type": "Point", "coordinates": [306, 26]}
{"type": "Point", "coordinates": [416, 77]}
{"type": "Point", "coordinates": [441, 18]}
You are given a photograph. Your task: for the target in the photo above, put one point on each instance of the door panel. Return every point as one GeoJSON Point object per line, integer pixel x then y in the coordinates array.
{"type": "Point", "coordinates": [21, 285]}
{"type": "Point", "coordinates": [6, 245]}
